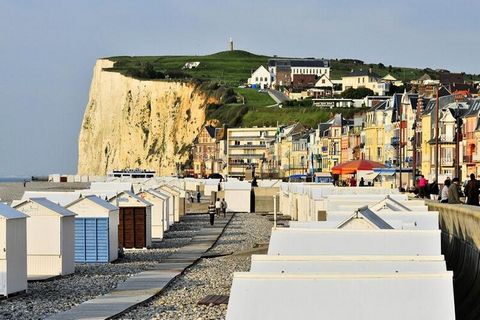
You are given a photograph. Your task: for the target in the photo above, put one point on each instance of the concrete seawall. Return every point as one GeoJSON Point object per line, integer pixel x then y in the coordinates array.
{"type": "Point", "coordinates": [460, 226]}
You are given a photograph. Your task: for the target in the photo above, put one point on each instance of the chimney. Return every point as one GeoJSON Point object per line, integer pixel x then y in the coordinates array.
{"type": "Point", "coordinates": [370, 70]}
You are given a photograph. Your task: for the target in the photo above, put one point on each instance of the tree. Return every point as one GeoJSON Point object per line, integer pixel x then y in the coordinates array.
{"type": "Point", "coordinates": [381, 65]}
{"type": "Point", "coordinates": [358, 93]}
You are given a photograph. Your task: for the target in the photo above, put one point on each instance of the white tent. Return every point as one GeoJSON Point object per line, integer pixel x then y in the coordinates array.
{"type": "Point", "coordinates": [13, 251]}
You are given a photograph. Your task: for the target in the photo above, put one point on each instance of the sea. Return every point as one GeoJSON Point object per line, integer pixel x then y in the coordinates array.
{"type": "Point", "coordinates": [15, 179]}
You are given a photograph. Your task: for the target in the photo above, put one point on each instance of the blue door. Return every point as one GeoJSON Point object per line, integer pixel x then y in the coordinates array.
{"type": "Point", "coordinates": [91, 240]}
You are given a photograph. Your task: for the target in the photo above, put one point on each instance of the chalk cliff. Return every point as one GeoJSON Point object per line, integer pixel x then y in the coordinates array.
{"type": "Point", "coordinates": [130, 123]}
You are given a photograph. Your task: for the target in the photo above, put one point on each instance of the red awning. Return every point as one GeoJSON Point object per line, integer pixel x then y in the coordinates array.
{"type": "Point", "coordinates": [355, 165]}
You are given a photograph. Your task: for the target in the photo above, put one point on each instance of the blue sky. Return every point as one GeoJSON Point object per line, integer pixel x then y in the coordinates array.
{"type": "Point", "coordinates": [48, 49]}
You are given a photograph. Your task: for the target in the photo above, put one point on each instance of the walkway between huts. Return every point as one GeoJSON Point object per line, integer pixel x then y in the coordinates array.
{"type": "Point", "coordinates": [145, 285]}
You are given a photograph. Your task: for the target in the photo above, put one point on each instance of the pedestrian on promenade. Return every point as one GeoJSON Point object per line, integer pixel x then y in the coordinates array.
{"type": "Point", "coordinates": [422, 183]}
{"type": "Point", "coordinates": [211, 212]}
{"type": "Point", "coordinates": [472, 191]}
{"type": "Point", "coordinates": [434, 190]}
{"type": "Point", "coordinates": [353, 182]}
{"type": "Point", "coordinates": [198, 196]}
{"type": "Point", "coordinates": [454, 192]}
{"type": "Point", "coordinates": [218, 206]}
{"type": "Point", "coordinates": [224, 207]}
{"type": "Point", "coordinates": [444, 195]}
{"type": "Point", "coordinates": [362, 182]}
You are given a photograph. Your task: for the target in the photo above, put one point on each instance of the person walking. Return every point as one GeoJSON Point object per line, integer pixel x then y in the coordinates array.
{"type": "Point", "coordinates": [224, 207]}
{"type": "Point", "coordinates": [454, 192]}
{"type": "Point", "coordinates": [472, 191]}
{"type": "Point", "coordinates": [353, 182]}
{"type": "Point", "coordinates": [434, 190]}
{"type": "Point", "coordinates": [422, 183]}
{"type": "Point", "coordinates": [211, 212]}
{"type": "Point", "coordinates": [362, 182]}
{"type": "Point", "coordinates": [444, 194]}
{"type": "Point", "coordinates": [198, 196]}
{"type": "Point", "coordinates": [218, 206]}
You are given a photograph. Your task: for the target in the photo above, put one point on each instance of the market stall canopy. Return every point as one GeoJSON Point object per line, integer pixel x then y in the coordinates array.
{"type": "Point", "coordinates": [355, 165]}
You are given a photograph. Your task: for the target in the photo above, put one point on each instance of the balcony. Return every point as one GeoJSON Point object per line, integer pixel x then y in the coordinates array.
{"type": "Point", "coordinates": [447, 162]}
{"type": "Point", "coordinates": [446, 138]}
{"type": "Point", "coordinates": [468, 159]}
{"type": "Point", "coordinates": [246, 155]}
{"type": "Point", "coordinates": [248, 146]}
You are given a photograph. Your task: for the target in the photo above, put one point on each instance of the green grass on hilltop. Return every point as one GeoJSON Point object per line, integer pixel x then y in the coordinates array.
{"type": "Point", "coordinates": [227, 67]}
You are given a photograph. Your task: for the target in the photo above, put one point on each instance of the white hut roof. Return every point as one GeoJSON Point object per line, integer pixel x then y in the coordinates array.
{"type": "Point", "coordinates": [157, 194]}
{"type": "Point", "coordinates": [62, 198]}
{"type": "Point", "coordinates": [131, 194]}
{"type": "Point", "coordinates": [52, 206]}
{"type": "Point", "coordinates": [7, 212]}
{"type": "Point", "coordinates": [97, 200]}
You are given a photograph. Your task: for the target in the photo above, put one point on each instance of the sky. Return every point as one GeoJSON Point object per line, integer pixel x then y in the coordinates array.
{"type": "Point", "coordinates": [48, 50]}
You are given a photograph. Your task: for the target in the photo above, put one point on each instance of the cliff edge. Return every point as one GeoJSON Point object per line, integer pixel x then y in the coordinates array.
{"type": "Point", "coordinates": [131, 123]}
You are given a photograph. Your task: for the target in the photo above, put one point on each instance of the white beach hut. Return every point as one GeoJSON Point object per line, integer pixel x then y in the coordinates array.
{"type": "Point", "coordinates": [159, 211]}
{"type": "Point", "coordinates": [237, 195]}
{"type": "Point", "coordinates": [174, 209]}
{"type": "Point", "coordinates": [50, 238]}
{"type": "Point", "coordinates": [96, 230]}
{"type": "Point", "coordinates": [135, 220]}
{"type": "Point", "coordinates": [13, 251]}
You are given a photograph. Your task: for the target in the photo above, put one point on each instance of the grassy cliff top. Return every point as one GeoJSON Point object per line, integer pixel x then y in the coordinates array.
{"type": "Point", "coordinates": [235, 67]}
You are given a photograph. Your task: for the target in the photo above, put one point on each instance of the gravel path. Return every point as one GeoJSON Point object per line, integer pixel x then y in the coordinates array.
{"type": "Point", "coordinates": [208, 276]}
{"type": "Point", "coordinates": [88, 281]}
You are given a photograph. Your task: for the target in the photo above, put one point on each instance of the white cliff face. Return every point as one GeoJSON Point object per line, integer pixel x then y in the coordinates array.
{"type": "Point", "coordinates": [130, 123]}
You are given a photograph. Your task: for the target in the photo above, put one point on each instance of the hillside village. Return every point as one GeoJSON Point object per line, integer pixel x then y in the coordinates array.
{"type": "Point", "coordinates": [397, 130]}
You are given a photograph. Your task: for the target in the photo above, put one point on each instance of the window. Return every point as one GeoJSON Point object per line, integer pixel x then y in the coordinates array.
{"type": "Point", "coordinates": [256, 78]}
{"type": "Point", "coordinates": [237, 143]}
{"type": "Point", "coordinates": [379, 152]}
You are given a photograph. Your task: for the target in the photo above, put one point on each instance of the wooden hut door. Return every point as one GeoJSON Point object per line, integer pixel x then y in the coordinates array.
{"type": "Point", "coordinates": [120, 227]}
{"type": "Point", "coordinates": [140, 227]}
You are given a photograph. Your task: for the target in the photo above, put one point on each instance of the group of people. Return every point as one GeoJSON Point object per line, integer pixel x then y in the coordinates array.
{"type": "Point", "coordinates": [215, 208]}
{"type": "Point", "coordinates": [197, 194]}
{"type": "Point", "coordinates": [451, 191]}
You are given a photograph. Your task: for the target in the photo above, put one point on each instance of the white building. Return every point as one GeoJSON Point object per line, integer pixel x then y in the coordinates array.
{"type": "Point", "coordinates": [50, 238]}
{"type": "Point", "coordinates": [260, 78]}
{"type": "Point", "coordinates": [280, 67]}
{"type": "Point", "coordinates": [13, 251]}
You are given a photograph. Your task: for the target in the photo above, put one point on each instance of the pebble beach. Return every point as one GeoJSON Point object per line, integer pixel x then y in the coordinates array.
{"type": "Point", "coordinates": [209, 276]}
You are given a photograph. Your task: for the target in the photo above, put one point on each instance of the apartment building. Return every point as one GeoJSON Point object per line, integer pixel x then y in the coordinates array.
{"type": "Point", "coordinates": [246, 150]}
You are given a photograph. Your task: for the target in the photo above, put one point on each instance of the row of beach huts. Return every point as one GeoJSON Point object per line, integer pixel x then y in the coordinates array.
{"type": "Point", "coordinates": [348, 253]}
{"type": "Point", "coordinates": [43, 234]}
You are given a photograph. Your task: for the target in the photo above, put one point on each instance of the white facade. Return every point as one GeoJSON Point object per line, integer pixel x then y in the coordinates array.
{"type": "Point", "coordinates": [347, 264]}
{"type": "Point", "coordinates": [318, 71]}
{"type": "Point", "coordinates": [174, 202]}
{"type": "Point", "coordinates": [354, 242]}
{"type": "Point", "coordinates": [13, 251]}
{"type": "Point", "coordinates": [261, 78]}
{"type": "Point", "coordinates": [50, 239]}
{"type": "Point", "coordinates": [95, 207]}
{"type": "Point", "coordinates": [393, 296]}
{"type": "Point", "coordinates": [237, 196]}
{"type": "Point", "coordinates": [159, 211]}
